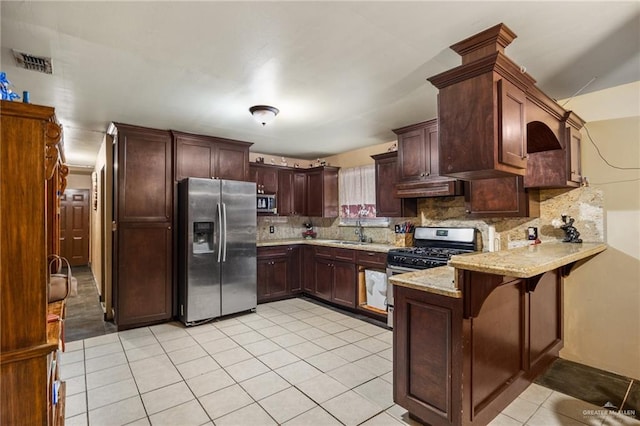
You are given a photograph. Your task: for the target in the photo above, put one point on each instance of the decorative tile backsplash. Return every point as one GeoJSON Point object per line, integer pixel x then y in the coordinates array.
{"type": "Point", "coordinates": [585, 205]}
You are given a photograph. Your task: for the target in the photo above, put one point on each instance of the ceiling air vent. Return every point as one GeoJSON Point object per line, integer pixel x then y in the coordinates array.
{"type": "Point", "coordinates": [33, 62]}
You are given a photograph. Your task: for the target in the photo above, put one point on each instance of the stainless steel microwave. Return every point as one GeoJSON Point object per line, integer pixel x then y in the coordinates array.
{"type": "Point", "coordinates": [266, 203]}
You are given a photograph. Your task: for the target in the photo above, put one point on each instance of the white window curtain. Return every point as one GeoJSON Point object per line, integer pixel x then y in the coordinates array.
{"type": "Point", "coordinates": [357, 190]}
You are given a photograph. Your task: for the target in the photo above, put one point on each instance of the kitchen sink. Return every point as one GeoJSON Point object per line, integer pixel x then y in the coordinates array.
{"type": "Point", "coordinates": [350, 243]}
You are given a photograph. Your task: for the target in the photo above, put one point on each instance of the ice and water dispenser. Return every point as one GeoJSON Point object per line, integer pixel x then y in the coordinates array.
{"type": "Point", "coordinates": [202, 237]}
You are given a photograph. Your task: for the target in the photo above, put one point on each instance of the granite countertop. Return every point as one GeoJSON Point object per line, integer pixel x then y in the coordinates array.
{"type": "Point", "coordinates": [528, 261]}
{"type": "Point", "coordinates": [522, 262]}
{"type": "Point", "coordinates": [434, 280]}
{"type": "Point", "coordinates": [377, 247]}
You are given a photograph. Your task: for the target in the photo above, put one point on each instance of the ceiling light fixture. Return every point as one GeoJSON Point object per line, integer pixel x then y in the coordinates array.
{"type": "Point", "coordinates": [264, 113]}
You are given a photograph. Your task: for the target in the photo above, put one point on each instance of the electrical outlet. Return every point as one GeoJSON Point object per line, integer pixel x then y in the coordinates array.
{"type": "Point", "coordinates": [272, 229]}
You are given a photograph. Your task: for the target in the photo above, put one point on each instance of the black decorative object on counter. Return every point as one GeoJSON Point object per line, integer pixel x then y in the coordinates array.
{"type": "Point", "coordinates": [571, 233]}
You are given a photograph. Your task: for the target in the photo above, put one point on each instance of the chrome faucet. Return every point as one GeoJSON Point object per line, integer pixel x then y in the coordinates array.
{"type": "Point", "coordinates": [360, 232]}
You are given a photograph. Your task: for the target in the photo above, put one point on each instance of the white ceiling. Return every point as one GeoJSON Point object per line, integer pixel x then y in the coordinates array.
{"type": "Point", "coordinates": [343, 74]}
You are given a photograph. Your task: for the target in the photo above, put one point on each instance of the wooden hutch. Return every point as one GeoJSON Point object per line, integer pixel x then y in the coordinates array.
{"type": "Point", "coordinates": [32, 179]}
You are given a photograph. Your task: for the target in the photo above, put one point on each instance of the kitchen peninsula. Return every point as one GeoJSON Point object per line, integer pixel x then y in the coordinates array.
{"type": "Point", "coordinates": [471, 336]}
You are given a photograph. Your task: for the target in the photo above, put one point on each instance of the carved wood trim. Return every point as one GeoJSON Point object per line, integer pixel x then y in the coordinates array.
{"type": "Point", "coordinates": [62, 179]}
{"type": "Point", "coordinates": [53, 135]}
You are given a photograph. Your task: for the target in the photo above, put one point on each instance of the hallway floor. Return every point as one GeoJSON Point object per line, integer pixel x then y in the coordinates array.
{"type": "Point", "coordinates": [84, 313]}
{"type": "Point", "coordinates": [291, 362]}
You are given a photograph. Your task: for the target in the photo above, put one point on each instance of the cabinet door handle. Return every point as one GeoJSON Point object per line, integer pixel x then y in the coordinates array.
{"type": "Point", "coordinates": [370, 254]}
{"type": "Point", "coordinates": [427, 174]}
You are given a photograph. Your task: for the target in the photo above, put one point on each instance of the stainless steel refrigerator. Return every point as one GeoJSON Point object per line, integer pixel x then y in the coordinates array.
{"type": "Point", "coordinates": [217, 248]}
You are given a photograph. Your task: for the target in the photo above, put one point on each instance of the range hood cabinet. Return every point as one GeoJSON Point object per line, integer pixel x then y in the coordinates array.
{"type": "Point", "coordinates": [492, 117]}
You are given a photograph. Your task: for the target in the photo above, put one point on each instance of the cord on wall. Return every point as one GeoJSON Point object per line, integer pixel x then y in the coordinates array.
{"type": "Point", "coordinates": [601, 156]}
{"type": "Point", "coordinates": [579, 91]}
{"type": "Point", "coordinates": [609, 164]}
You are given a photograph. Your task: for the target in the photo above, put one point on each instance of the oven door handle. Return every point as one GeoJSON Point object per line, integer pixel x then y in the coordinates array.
{"type": "Point", "coordinates": [395, 270]}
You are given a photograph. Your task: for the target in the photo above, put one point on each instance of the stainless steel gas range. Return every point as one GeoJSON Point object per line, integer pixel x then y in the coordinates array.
{"type": "Point", "coordinates": [433, 247]}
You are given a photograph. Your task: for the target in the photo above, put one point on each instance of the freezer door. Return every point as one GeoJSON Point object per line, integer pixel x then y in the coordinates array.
{"type": "Point", "coordinates": [239, 290]}
{"type": "Point", "coordinates": [201, 226]}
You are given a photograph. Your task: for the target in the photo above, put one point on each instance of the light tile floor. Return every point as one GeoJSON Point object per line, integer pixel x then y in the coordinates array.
{"type": "Point", "coordinates": [292, 362]}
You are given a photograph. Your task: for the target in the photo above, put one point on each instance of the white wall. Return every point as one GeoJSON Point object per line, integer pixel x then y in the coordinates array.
{"type": "Point", "coordinates": [602, 295]}
{"type": "Point", "coordinates": [79, 180]}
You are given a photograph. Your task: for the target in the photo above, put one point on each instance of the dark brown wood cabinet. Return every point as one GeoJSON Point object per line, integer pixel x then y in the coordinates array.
{"type": "Point", "coordinates": [300, 192]}
{"type": "Point", "coordinates": [494, 122]}
{"type": "Point", "coordinates": [292, 193]}
{"type": "Point", "coordinates": [387, 204]}
{"type": "Point", "coordinates": [322, 191]}
{"type": "Point", "coordinates": [210, 157]}
{"type": "Point", "coordinates": [30, 153]}
{"type": "Point", "coordinates": [335, 275]}
{"type": "Point", "coordinates": [344, 284]}
{"type": "Point", "coordinates": [427, 331]}
{"type": "Point", "coordinates": [481, 110]}
{"type": "Point", "coordinates": [558, 168]}
{"type": "Point", "coordinates": [308, 270]}
{"type": "Point", "coordinates": [265, 177]}
{"type": "Point", "coordinates": [456, 367]}
{"type": "Point", "coordinates": [418, 151]}
{"type": "Point", "coordinates": [501, 197]}
{"type": "Point", "coordinates": [273, 273]}
{"type": "Point", "coordinates": [418, 163]}
{"type": "Point", "coordinates": [143, 235]}
{"type": "Point", "coordinates": [279, 272]}
{"type": "Point", "coordinates": [323, 278]}
{"type": "Point", "coordinates": [328, 273]}
{"type": "Point", "coordinates": [294, 254]}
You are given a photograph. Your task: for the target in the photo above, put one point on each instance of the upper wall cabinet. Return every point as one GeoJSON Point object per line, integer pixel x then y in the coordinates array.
{"type": "Point", "coordinates": [210, 157]}
{"type": "Point", "coordinates": [501, 197]}
{"type": "Point", "coordinates": [322, 191]}
{"type": "Point", "coordinates": [265, 177]}
{"type": "Point", "coordinates": [292, 189]}
{"type": "Point", "coordinates": [558, 168]}
{"type": "Point", "coordinates": [492, 117]}
{"type": "Point", "coordinates": [418, 163]}
{"type": "Point", "coordinates": [300, 192]}
{"type": "Point", "coordinates": [387, 204]}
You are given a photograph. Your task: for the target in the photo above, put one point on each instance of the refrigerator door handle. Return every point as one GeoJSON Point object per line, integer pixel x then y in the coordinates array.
{"type": "Point", "coordinates": [224, 219]}
{"type": "Point", "coordinates": [219, 210]}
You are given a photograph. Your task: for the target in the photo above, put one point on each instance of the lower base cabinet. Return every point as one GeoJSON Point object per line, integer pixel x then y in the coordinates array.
{"type": "Point", "coordinates": [327, 273]}
{"type": "Point", "coordinates": [279, 272]}
{"type": "Point", "coordinates": [273, 273]}
{"type": "Point", "coordinates": [344, 284]}
{"type": "Point", "coordinates": [461, 361]}
{"type": "Point", "coordinates": [335, 275]}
